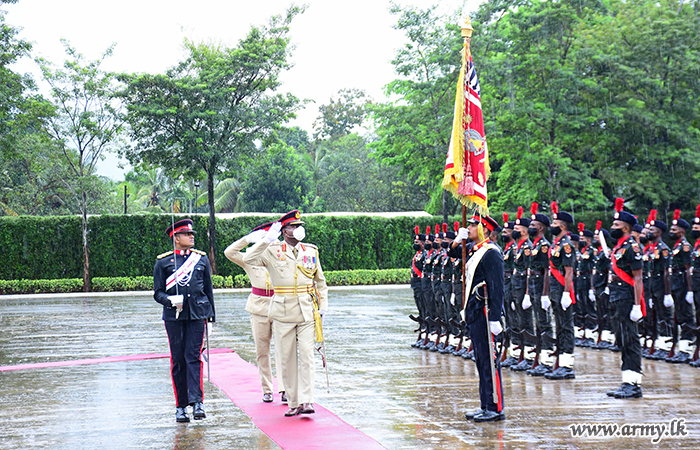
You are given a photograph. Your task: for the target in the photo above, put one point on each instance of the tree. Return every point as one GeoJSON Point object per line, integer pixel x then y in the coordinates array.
{"type": "Point", "coordinates": [340, 116]}
{"type": "Point", "coordinates": [86, 124]}
{"type": "Point", "coordinates": [645, 102]}
{"type": "Point", "coordinates": [355, 181]}
{"type": "Point", "coordinates": [276, 182]}
{"type": "Point", "coordinates": [206, 113]}
{"type": "Point", "coordinates": [413, 133]}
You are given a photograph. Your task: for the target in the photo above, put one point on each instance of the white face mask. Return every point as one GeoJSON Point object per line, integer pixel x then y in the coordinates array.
{"type": "Point", "coordinates": [299, 233]}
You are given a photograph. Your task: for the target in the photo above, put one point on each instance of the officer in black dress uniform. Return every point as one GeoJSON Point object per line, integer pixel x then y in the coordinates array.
{"type": "Point", "coordinates": [483, 316]}
{"type": "Point", "coordinates": [681, 287]}
{"type": "Point", "coordinates": [416, 277]}
{"type": "Point", "coordinates": [627, 297]}
{"type": "Point", "coordinates": [560, 288]}
{"type": "Point", "coordinates": [191, 288]}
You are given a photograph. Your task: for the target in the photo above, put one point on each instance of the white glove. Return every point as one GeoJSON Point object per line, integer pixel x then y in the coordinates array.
{"type": "Point", "coordinates": [566, 300]}
{"type": "Point", "coordinates": [668, 300]}
{"type": "Point", "coordinates": [462, 234]}
{"type": "Point", "coordinates": [636, 313]}
{"type": "Point", "coordinates": [452, 299]}
{"type": "Point", "coordinates": [512, 306]}
{"type": "Point", "coordinates": [651, 303]}
{"type": "Point", "coordinates": [527, 302]}
{"type": "Point", "coordinates": [606, 291]}
{"type": "Point", "coordinates": [176, 302]}
{"type": "Point", "coordinates": [545, 302]}
{"type": "Point", "coordinates": [591, 295]}
{"type": "Point", "coordinates": [210, 329]}
{"type": "Point", "coordinates": [689, 297]}
{"type": "Point", "coordinates": [273, 233]}
{"type": "Point", "coordinates": [255, 236]}
{"type": "Point", "coordinates": [495, 327]}
{"type": "Point", "coordinates": [322, 312]}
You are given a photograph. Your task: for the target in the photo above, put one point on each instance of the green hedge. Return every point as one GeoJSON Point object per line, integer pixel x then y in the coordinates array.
{"type": "Point", "coordinates": [127, 245]}
{"type": "Point", "coordinates": [118, 284]}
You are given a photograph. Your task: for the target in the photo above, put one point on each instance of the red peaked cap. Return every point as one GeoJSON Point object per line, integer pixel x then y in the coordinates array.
{"type": "Point", "coordinates": [488, 222]}
{"type": "Point", "coordinates": [293, 217]}
{"type": "Point", "coordinates": [265, 226]}
{"type": "Point", "coordinates": [181, 226]}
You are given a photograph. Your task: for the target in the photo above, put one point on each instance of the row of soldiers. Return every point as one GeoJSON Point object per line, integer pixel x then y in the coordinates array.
{"type": "Point", "coordinates": [570, 279]}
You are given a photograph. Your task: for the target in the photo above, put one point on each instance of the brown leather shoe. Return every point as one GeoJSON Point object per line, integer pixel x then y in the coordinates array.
{"type": "Point", "coordinates": [267, 398]}
{"type": "Point", "coordinates": [307, 408]}
{"type": "Point", "coordinates": [293, 411]}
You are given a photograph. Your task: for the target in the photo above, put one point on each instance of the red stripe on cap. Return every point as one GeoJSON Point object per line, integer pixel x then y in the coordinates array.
{"type": "Point", "coordinates": [187, 227]}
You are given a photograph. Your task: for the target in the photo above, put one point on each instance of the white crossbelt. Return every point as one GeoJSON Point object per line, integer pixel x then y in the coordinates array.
{"type": "Point", "coordinates": [184, 273]}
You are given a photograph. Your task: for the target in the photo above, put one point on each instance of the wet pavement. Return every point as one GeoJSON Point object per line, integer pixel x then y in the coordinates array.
{"type": "Point", "coordinates": [402, 397]}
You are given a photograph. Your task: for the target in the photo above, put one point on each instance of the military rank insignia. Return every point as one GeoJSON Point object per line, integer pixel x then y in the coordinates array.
{"type": "Point", "coordinates": [567, 249]}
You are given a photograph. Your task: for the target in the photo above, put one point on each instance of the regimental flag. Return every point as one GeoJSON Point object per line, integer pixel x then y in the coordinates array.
{"type": "Point", "coordinates": [467, 166]}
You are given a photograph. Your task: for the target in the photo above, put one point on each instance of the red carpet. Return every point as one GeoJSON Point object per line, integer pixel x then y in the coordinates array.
{"type": "Point", "coordinates": [239, 380]}
{"type": "Point", "coordinates": [322, 430]}
{"type": "Point", "coordinates": [108, 359]}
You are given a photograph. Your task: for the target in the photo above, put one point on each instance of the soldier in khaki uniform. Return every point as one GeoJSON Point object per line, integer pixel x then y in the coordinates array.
{"type": "Point", "coordinates": [296, 274]}
{"type": "Point", "coordinates": [258, 306]}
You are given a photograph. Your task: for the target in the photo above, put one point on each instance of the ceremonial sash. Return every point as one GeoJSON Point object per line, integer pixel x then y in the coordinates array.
{"type": "Point", "coordinates": [416, 272]}
{"type": "Point", "coordinates": [471, 268]}
{"type": "Point", "coordinates": [624, 276]}
{"type": "Point", "coordinates": [184, 273]}
{"type": "Point", "coordinates": [263, 292]}
{"type": "Point", "coordinates": [560, 277]}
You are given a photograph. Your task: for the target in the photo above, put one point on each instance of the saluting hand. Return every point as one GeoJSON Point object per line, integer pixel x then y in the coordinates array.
{"type": "Point", "coordinates": [273, 233]}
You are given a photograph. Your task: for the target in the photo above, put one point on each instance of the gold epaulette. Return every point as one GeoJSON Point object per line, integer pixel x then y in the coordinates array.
{"type": "Point", "coordinates": [163, 255]}
{"type": "Point", "coordinates": [311, 245]}
{"type": "Point", "coordinates": [200, 252]}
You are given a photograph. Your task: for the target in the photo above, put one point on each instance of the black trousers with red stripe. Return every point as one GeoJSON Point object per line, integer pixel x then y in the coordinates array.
{"type": "Point", "coordinates": [480, 333]}
{"type": "Point", "coordinates": [185, 338]}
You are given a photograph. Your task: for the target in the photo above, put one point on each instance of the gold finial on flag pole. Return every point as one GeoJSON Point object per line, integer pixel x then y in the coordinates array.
{"type": "Point", "coordinates": [467, 28]}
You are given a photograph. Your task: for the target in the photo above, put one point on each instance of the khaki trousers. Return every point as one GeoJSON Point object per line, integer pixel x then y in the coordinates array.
{"type": "Point", "coordinates": [262, 336]}
{"type": "Point", "coordinates": [296, 343]}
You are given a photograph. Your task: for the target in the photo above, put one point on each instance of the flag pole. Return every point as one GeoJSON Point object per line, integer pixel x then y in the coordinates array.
{"type": "Point", "coordinates": [467, 30]}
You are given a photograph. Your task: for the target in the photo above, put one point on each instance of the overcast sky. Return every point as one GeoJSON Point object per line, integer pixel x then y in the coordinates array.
{"type": "Point", "coordinates": [339, 44]}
